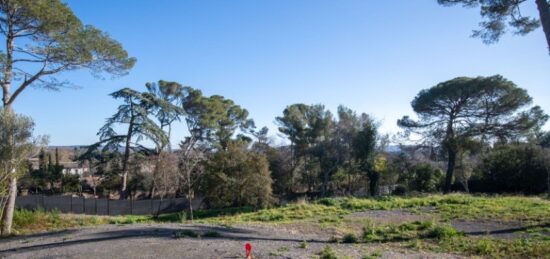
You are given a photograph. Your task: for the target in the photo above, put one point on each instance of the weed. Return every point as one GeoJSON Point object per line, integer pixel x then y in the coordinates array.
{"type": "Point", "coordinates": [373, 255]}
{"type": "Point", "coordinates": [327, 253]}
{"type": "Point", "coordinates": [303, 245]}
{"type": "Point", "coordinates": [283, 249]}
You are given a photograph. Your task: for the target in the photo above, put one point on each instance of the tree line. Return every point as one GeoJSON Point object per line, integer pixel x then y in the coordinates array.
{"type": "Point", "coordinates": [477, 134]}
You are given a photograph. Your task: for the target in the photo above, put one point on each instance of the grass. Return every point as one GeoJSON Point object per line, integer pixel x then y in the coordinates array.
{"type": "Point", "coordinates": [327, 253]}
{"type": "Point", "coordinates": [455, 206]}
{"type": "Point", "coordinates": [492, 247]}
{"type": "Point", "coordinates": [408, 231]}
{"type": "Point", "coordinates": [27, 222]}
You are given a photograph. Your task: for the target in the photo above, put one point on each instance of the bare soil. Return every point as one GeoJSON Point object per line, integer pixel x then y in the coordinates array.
{"type": "Point", "coordinates": [159, 241]}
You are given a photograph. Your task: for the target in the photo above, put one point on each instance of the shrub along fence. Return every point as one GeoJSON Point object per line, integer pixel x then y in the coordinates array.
{"type": "Point", "coordinates": [81, 205]}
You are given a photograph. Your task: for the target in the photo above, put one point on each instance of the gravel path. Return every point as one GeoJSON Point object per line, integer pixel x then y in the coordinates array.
{"type": "Point", "coordinates": [158, 241]}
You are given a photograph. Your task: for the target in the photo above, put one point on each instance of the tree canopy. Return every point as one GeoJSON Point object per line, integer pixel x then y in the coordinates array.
{"type": "Point", "coordinates": [52, 40]}
{"type": "Point", "coordinates": [487, 108]}
{"type": "Point", "coordinates": [502, 14]}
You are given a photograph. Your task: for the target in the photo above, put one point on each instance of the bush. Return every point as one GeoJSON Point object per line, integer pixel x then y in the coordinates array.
{"type": "Point", "coordinates": [441, 232]}
{"type": "Point", "coordinates": [514, 169]}
{"type": "Point", "coordinates": [426, 178]}
{"type": "Point", "coordinates": [327, 253]}
{"type": "Point", "coordinates": [349, 239]}
{"type": "Point", "coordinates": [328, 201]}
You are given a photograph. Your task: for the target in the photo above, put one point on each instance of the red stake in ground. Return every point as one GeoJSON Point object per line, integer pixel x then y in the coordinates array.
{"type": "Point", "coordinates": [248, 249]}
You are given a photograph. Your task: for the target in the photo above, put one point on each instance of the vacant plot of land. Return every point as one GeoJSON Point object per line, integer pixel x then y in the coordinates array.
{"type": "Point", "coordinates": [170, 241]}
{"type": "Point", "coordinates": [434, 226]}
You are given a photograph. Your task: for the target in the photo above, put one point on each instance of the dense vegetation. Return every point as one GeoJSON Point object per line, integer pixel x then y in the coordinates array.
{"type": "Point", "coordinates": [228, 162]}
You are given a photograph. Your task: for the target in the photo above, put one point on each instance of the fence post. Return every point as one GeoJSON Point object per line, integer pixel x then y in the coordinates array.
{"type": "Point", "coordinates": [108, 209]}
{"type": "Point", "coordinates": [131, 206]}
{"type": "Point", "coordinates": [151, 211]}
{"type": "Point", "coordinates": [83, 205]}
{"type": "Point", "coordinates": [95, 205]}
{"type": "Point", "coordinates": [37, 202]}
{"type": "Point", "coordinates": [71, 210]}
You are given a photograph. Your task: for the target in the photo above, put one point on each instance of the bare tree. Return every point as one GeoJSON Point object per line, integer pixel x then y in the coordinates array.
{"type": "Point", "coordinates": [191, 168]}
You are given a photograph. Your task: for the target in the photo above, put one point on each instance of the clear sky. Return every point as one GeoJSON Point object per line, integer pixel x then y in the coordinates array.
{"type": "Point", "coordinates": [372, 56]}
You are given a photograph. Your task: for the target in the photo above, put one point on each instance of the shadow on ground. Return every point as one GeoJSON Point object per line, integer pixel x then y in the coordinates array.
{"type": "Point", "coordinates": [239, 234]}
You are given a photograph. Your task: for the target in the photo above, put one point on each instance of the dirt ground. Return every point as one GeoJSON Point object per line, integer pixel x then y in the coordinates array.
{"type": "Point", "coordinates": [158, 241]}
{"type": "Point", "coordinates": [268, 240]}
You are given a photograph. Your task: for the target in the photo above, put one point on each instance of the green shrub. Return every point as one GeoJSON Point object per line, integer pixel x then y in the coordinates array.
{"type": "Point", "coordinates": [303, 245]}
{"type": "Point", "coordinates": [442, 231]}
{"type": "Point", "coordinates": [328, 201]}
{"type": "Point", "coordinates": [327, 253]}
{"type": "Point", "coordinates": [349, 238]}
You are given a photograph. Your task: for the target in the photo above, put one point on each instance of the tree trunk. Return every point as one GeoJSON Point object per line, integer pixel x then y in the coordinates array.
{"type": "Point", "coordinates": [169, 136]}
{"type": "Point", "coordinates": [544, 13]}
{"type": "Point", "coordinates": [325, 182]}
{"type": "Point", "coordinates": [7, 215]}
{"type": "Point", "coordinates": [124, 188]}
{"type": "Point", "coordinates": [190, 208]}
{"type": "Point", "coordinates": [373, 183]}
{"type": "Point", "coordinates": [450, 169]}
{"type": "Point", "coordinates": [10, 206]}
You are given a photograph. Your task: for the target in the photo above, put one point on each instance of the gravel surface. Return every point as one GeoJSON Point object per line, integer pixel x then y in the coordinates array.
{"type": "Point", "coordinates": [159, 241]}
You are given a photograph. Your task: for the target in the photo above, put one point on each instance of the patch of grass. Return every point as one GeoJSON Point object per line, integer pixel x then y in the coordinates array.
{"type": "Point", "coordinates": [130, 219]}
{"type": "Point", "coordinates": [327, 253]}
{"type": "Point", "coordinates": [493, 247]}
{"type": "Point", "coordinates": [203, 214]}
{"type": "Point", "coordinates": [274, 253]}
{"type": "Point", "coordinates": [407, 231]}
{"type": "Point", "coordinates": [373, 255]}
{"type": "Point", "coordinates": [283, 214]}
{"type": "Point", "coordinates": [283, 249]}
{"type": "Point", "coordinates": [453, 206]}
{"type": "Point", "coordinates": [304, 244]}
{"type": "Point", "coordinates": [33, 221]}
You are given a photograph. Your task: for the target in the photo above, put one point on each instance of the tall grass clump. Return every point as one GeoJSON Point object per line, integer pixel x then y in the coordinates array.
{"type": "Point", "coordinates": [407, 231]}
{"type": "Point", "coordinates": [32, 221]}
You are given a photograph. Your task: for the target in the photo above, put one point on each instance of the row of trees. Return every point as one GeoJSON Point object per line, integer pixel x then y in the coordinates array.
{"type": "Point", "coordinates": [463, 125]}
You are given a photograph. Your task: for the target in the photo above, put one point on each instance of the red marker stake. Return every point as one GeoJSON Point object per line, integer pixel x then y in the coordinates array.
{"type": "Point", "coordinates": [248, 249]}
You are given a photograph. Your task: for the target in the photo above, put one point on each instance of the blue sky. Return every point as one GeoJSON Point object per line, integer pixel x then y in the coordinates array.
{"type": "Point", "coordinates": [372, 56]}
